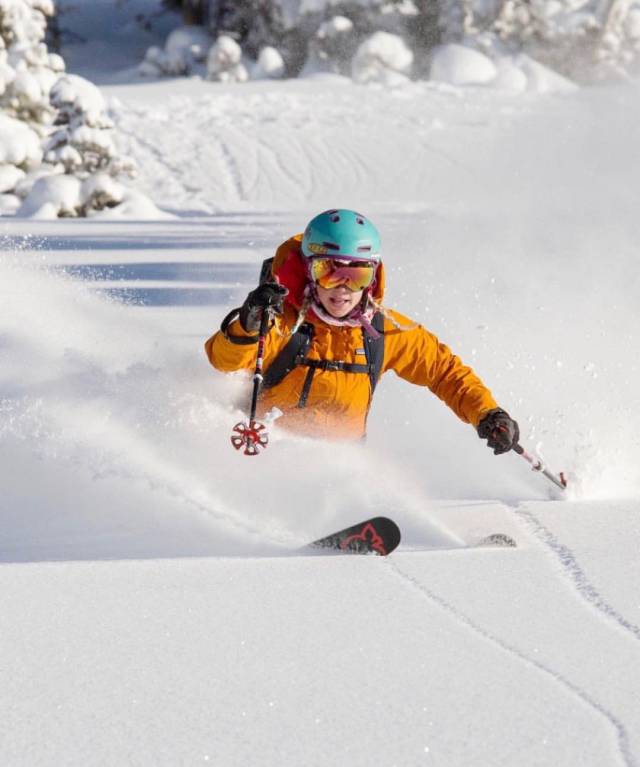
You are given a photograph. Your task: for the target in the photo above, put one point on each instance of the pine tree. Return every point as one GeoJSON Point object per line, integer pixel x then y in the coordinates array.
{"type": "Point", "coordinates": [54, 131]}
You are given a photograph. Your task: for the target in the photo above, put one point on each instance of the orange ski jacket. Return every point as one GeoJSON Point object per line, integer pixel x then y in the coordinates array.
{"type": "Point", "coordinates": [338, 401]}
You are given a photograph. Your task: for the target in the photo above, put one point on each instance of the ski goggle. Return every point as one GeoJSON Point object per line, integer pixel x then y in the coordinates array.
{"type": "Point", "coordinates": [330, 273]}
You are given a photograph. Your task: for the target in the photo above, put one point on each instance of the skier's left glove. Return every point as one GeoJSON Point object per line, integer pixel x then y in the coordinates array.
{"type": "Point", "coordinates": [500, 431]}
{"type": "Point", "coordinates": [269, 295]}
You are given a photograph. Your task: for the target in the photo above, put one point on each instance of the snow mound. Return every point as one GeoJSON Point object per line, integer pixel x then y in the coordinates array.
{"type": "Point", "coordinates": [9, 177]}
{"type": "Point", "coordinates": [457, 65]}
{"type": "Point", "coordinates": [9, 204]}
{"type": "Point", "coordinates": [382, 58]}
{"type": "Point", "coordinates": [74, 94]}
{"type": "Point", "coordinates": [269, 66]}
{"type": "Point", "coordinates": [541, 79]}
{"type": "Point", "coordinates": [53, 196]}
{"type": "Point", "coordinates": [510, 77]}
{"type": "Point", "coordinates": [19, 143]}
{"type": "Point", "coordinates": [224, 62]}
{"type": "Point", "coordinates": [132, 205]}
{"type": "Point", "coordinates": [66, 196]}
{"type": "Point", "coordinates": [461, 66]}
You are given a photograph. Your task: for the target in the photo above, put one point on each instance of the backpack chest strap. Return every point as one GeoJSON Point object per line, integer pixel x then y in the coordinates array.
{"type": "Point", "coordinates": [346, 367]}
{"type": "Point", "coordinates": [335, 365]}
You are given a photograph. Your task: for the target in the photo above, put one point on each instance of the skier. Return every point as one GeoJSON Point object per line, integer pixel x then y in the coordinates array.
{"type": "Point", "coordinates": [330, 339]}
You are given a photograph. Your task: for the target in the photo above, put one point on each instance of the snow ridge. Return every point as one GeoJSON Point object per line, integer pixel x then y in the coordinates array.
{"type": "Point", "coordinates": [620, 731]}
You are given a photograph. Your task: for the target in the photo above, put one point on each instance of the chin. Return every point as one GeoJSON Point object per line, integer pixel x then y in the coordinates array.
{"type": "Point", "coordinates": [341, 315]}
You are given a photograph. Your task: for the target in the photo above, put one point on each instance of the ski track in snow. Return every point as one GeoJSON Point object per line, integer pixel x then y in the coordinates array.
{"type": "Point", "coordinates": [618, 729]}
{"type": "Point", "coordinates": [572, 571]}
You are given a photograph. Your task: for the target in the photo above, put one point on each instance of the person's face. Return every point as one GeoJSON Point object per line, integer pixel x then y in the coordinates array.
{"type": "Point", "coordinates": [340, 301]}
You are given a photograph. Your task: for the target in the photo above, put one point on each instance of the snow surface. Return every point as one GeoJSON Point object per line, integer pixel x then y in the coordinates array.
{"type": "Point", "coordinates": [156, 606]}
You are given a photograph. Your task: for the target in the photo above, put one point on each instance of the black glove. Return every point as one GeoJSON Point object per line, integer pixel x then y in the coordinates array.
{"type": "Point", "coordinates": [500, 431]}
{"type": "Point", "coordinates": [269, 295]}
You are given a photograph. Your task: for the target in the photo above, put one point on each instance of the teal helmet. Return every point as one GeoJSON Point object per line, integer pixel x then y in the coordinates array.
{"type": "Point", "coordinates": [341, 233]}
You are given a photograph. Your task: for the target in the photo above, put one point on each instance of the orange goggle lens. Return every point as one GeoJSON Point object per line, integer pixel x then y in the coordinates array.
{"type": "Point", "coordinates": [331, 273]}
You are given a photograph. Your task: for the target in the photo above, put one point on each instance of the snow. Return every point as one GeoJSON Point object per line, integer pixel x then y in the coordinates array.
{"type": "Point", "coordinates": [269, 65]}
{"type": "Point", "coordinates": [383, 58]}
{"type": "Point", "coordinates": [224, 61]}
{"type": "Point", "coordinates": [156, 607]}
{"type": "Point", "coordinates": [9, 177]}
{"type": "Point", "coordinates": [541, 79]}
{"type": "Point", "coordinates": [458, 65]}
{"type": "Point", "coordinates": [52, 196]}
{"type": "Point", "coordinates": [19, 144]}
{"type": "Point", "coordinates": [79, 96]}
{"type": "Point", "coordinates": [461, 66]}
{"type": "Point", "coordinates": [184, 47]}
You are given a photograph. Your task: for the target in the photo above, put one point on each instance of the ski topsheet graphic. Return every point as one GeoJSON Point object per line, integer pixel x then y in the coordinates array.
{"type": "Point", "coordinates": [378, 535]}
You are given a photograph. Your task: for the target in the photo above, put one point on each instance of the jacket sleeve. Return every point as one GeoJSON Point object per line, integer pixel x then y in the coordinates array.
{"type": "Point", "coordinates": [232, 349]}
{"type": "Point", "coordinates": [418, 356]}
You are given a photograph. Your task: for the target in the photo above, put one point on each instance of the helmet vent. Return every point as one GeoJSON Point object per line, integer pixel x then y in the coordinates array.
{"type": "Point", "coordinates": [331, 245]}
{"type": "Point", "coordinates": [364, 249]}
{"type": "Point", "coordinates": [335, 218]}
{"type": "Point", "coordinates": [360, 220]}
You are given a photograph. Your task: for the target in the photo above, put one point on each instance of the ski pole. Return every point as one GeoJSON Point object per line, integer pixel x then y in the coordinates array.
{"type": "Point", "coordinates": [536, 465]}
{"type": "Point", "coordinates": [252, 435]}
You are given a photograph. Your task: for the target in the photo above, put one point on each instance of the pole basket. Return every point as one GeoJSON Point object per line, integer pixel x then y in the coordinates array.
{"type": "Point", "coordinates": [252, 437]}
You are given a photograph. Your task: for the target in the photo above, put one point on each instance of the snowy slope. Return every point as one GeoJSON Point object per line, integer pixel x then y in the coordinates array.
{"type": "Point", "coordinates": [156, 608]}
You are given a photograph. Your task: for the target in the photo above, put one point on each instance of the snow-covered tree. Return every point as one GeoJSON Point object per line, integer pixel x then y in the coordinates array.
{"type": "Point", "coordinates": [224, 62]}
{"type": "Point", "coordinates": [333, 46]}
{"type": "Point", "coordinates": [83, 141]}
{"type": "Point", "coordinates": [27, 72]}
{"type": "Point", "coordinates": [580, 39]}
{"type": "Point", "coordinates": [383, 58]}
{"type": "Point", "coordinates": [585, 41]}
{"type": "Point", "coordinates": [57, 150]}
{"type": "Point", "coordinates": [185, 49]}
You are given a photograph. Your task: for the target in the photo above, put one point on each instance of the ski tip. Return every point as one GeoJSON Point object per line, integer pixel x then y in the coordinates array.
{"type": "Point", "coordinates": [388, 529]}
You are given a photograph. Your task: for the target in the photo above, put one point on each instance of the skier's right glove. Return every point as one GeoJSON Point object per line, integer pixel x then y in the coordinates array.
{"type": "Point", "coordinates": [269, 295]}
{"type": "Point", "coordinates": [500, 431]}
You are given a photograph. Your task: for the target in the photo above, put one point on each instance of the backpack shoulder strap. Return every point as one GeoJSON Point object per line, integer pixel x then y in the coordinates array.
{"type": "Point", "coordinates": [374, 350]}
{"type": "Point", "coordinates": [295, 351]}
{"type": "Point", "coordinates": [289, 357]}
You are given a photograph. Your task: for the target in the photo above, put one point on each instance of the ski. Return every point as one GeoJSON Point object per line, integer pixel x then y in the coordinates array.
{"type": "Point", "coordinates": [379, 535]}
